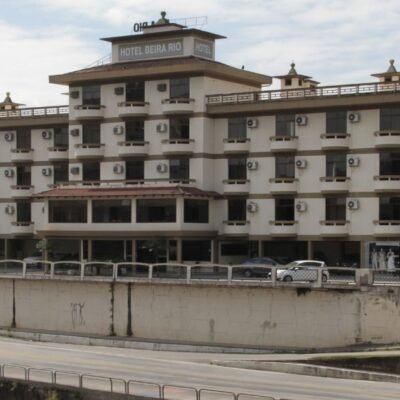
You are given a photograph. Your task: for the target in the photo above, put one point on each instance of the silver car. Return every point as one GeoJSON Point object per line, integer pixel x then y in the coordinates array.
{"type": "Point", "coordinates": [302, 270]}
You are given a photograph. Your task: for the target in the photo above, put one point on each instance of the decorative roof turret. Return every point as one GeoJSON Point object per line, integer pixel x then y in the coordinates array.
{"type": "Point", "coordinates": [162, 20]}
{"type": "Point", "coordinates": [8, 104]}
{"type": "Point", "coordinates": [292, 70]}
{"type": "Point", "coordinates": [391, 75]}
{"type": "Point", "coordinates": [294, 80]}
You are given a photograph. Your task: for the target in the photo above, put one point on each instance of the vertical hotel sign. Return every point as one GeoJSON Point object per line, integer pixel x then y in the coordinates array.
{"type": "Point", "coordinates": [150, 50]}
{"type": "Point", "coordinates": [204, 49]}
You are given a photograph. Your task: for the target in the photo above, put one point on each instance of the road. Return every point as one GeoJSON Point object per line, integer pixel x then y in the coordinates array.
{"type": "Point", "coordinates": [190, 369]}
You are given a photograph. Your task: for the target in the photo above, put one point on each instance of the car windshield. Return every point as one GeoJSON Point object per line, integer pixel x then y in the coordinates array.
{"type": "Point", "coordinates": [293, 264]}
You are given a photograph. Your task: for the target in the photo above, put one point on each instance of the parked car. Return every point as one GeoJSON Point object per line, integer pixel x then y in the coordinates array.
{"type": "Point", "coordinates": [302, 270]}
{"type": "Point", "coordinates": [256, 267]}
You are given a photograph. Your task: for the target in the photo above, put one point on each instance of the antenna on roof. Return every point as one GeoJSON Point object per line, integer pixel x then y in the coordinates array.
{"type": "Point", "coordinates": [191, 22]}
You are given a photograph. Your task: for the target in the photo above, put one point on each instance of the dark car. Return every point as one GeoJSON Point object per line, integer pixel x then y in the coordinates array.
{"type": "Point", "coordinates": [256, 267]}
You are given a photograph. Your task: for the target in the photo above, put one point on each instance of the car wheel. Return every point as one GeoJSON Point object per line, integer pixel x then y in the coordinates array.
{"type": "Point", "coordinates": [247, 273]}
{"type": "Point", "coordinates": [288, 278]}
{"type": "Point", "coordinates": [324, 278]}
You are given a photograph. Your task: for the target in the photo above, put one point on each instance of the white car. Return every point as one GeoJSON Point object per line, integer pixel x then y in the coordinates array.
{"type": "Point", "coordinates": [302, 270]}
{"type": "Point", "coordinates": [34, 260]}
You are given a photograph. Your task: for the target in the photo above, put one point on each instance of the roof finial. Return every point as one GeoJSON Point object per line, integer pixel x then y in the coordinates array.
{"type": "Point", "coordinates": [292, 70]}
{"type": "Point", "coordinates": [391, 68]}
{"type": "Point", "coordinates": [8, 98]}
{"type": "Point", "coordinates": [163, 20]}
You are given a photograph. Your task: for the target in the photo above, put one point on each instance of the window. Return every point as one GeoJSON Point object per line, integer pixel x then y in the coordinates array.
{"type": "Point", "coordinates": [235, 249]}
{"type": "Point", "coordinates": [91, 95]}
{"type": "Point", "coordinates": [111, 211]}
{"type": "Point", "coordinates": [237, 210]}
{"type": "Point", "coordinates": [288, 82]}
{"type": "Point", "coordinates": [389, 119]}
{"type": "Point", "coordinates": [134, 131]}
{"type": "Point", "coordinates": [24, 211]}
{"type": "Point", "coordinates": [196, 250]}
{"type": "Point", "coordinates": [179, 88]}
{"type": "Point", "coordinates": [196, 211]}
{"type": "Point", "coordinates": [23, 138]}
{"type": "Point", "coordinates": [67, 211]}
{"type": "Point", "coordinates": [336, 165]}
{"type": "Point", "coordinates": [335, 209]}
{"type": "Point", "coordinates": [284, 167]}
{"type": "Point", "coordinates": [336, 122]}
{"type": "Point", "coordinates": [90, 171]}
{"type": "Point", "coordinates": [135, 91]}
{"type": "Point", "coordinates": [91, 133]}
{"type": "Point", "coordinates": [156, 210]}
{"type": "Point", "coordinates": [237, 128]}
{"type": "Point", "coordinates": [389, 208]}
{"type": "Point", "coordinates": [179, 128]}
{"type": "Point", "coordinates": [134, 170]}
{"type": "Point", "coordinates": [284, 125]}
{"type": "Point", "coordinates": [237, 169]}
{"type": "Point", "coordinates": [179, 169]}
{"type": "Point", "coordinates": [60, 172]}
{"type": "Point", "coordinates": [61, 136]}
{"type": "Point", "coordinates": [24, 175]}
{"type": "Point", "coordinates": [389, 164]}
{"type": "Point", "coordinates": [284, 209]}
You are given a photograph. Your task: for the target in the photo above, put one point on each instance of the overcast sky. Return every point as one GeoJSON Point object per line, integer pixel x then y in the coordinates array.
{"type": "Point", "coordinates": [334, 41]}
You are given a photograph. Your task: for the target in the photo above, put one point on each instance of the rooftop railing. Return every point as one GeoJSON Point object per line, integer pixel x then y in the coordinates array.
{"type": "Point", "coordinates": [360, 89]}
{"type": "Point", "coordinates": [35, 112]}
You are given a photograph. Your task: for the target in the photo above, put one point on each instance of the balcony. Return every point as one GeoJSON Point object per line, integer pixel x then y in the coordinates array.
{"type": "Point", "coordinates": [387, 183]}
{"type": "Point", "coordinates": [57, 153]}
{"type": "Point", "coordinates": [90, 111]}
{"type": "Point", "coordinates": [283, 143]}
{"type": "Point", "coordinates": [236, 186]}
{"type": "Point", "coordinates": [89, 150]}
{"type": "Point", "coordinates": [178, 106]}
{"type": "Point", "coordinates": [283, 185]}
{"type": "Point", "coordinates": [335, 141]}
{"type": "Point", "coordinates": [236, 146]}
{"type": "Point", "coordinates": [387, 228]}
{"type": "Point", "coordinates": [334, 228]}
{"type": "Point", "coordinates": [236, 228]}
{"type": "Point", "coordinates": [133, 109]}
{"type": "Point", "coordinates": [177, 146]}
{"type": "Point", "coordinates": [334, 184]}
{"type": "Point", "coordinates": [21, 191]}
{"type": "Point", "coordinates": [387, 139]}
{"type": "Point", "coordinates": [283, 228]}
{"type": "Point", "coordinates": [133, 149]}
{"type": "Point", "coordinates": [22, 155]}
{"type": "Point", "coordinates": [22, 228]}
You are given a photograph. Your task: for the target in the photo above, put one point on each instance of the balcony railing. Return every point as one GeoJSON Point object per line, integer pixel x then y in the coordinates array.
{"type": "Point", "coordinates": [360, 89]}
{"type": "Point", "coordinates": [120, 183]}
{"type": "Point", "coordinates": [35, 112]}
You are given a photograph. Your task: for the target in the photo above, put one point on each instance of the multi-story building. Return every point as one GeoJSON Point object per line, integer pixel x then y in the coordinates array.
{"type": "Point", "coordinates": [164, 154]}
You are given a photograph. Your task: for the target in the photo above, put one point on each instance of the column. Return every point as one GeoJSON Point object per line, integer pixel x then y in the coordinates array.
{"type": "Point", "coordinates": [310, 250]}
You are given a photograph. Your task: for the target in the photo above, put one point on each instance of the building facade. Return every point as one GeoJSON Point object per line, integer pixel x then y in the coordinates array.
{"type": "Point", "coordinates": [166, 155]}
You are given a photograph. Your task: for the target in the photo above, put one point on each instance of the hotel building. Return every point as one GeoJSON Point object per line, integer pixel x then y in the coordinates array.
{"type": "Point", "coordinates": [166, 155]}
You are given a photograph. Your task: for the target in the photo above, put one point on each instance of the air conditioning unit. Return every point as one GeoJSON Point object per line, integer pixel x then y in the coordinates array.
{"type": "Point", "coordinates": [118, 169]}
{"type": "Point", "coordinates": [10, 210]}
{"type": "Point", "coordinates": [162, 87]}
{"type": "Point", "coordinates": [46, 135]}
{"type": "Point", "coordinates": [301, 120]}
{"type": "Point", "coordinates": [46, 171]}
{"type": "Point", "coordinates": [353, 204]}
{"type": "Point", "coordinates": [252, 207]}
{"type": "Point", "coordinates": [354, 117]}
{"type": "Point", "coordinates": [162, 127]}
{"type": "Point", "coordinates": [8, 173]}
{"type": "Point", "coordinates": [162, 168]}
{"type": "Point", "coordinates": [353, 161]}
{"type": "Point", "coordinates": [301, 206]}
{"type": "Point", "coordinates": [252, 165]}
{"type": "Point", "coordinates": [74, 94]}
{"type": "Point", "coordinates": [252, 123]}
{"type": "Point", "coordinates": [119, 91]}
{"type": "Point", "coordinates": [118, 130]}
{"type": "Point", "coordinates": [9, 136]}
{"type": "Point", "coordinates": [74, 132]}
{"type": "Point", "coordinates": [301, 163]}
{"type": "Point", "coordinates": [74, 170]}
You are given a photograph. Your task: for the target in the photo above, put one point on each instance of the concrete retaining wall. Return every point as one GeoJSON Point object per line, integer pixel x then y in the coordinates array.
{"type": "Point", "coordinates": [231, 315]}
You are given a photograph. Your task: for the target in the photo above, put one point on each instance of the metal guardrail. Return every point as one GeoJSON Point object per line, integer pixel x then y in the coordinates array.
{"type": "Point", "coordinates": [118, 385]}
{"type": "Point", "coordinates": [197, 273]}
{"type": "Point", "coordinates": [360, 89]}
